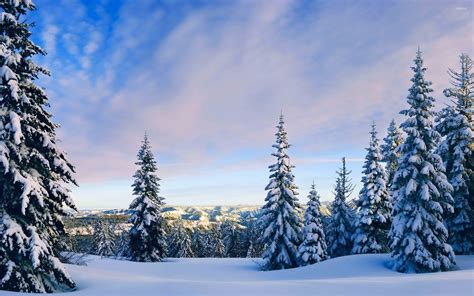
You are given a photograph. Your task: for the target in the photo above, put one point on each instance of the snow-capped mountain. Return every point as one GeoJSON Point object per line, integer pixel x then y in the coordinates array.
{"type": "Point", "coordinates": [197, 213]}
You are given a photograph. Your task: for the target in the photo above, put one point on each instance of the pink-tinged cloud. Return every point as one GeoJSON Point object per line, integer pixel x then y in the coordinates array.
{"type": "Point", "coordinates": [211, 82]}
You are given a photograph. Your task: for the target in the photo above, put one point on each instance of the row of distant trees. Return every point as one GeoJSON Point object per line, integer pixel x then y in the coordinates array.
{"type": "Point", "coordinates": [218, 239]}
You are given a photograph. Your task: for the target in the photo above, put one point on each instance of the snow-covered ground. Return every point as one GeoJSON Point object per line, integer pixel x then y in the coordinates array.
{"type": "Point", "coordinates": [351, 275]}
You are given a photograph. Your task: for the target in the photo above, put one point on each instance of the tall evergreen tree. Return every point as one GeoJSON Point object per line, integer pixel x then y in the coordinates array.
{"type": "Point", "coordinates": [180, 241]}
{"type": "Point", "coordinates": [280, 221]}
{"type": "Point", "coordinates": [33, 169]}
{"type": "Point", "coordinates": [340, 227]}
{"type": "Point", "coordinates": [420, 189]}
{"type": "Point", "coordinates": [389, 148]}
{"type": "Point", "coordinates": [147, 235]}
{"type": "Point", "coordinates": [456, 150]}
{"type": "Point", "coordinates": [313, 249]}
{"type": "Point", "coordinates": [103, 239]}
{"type": "Point", "coordinates": [374, 205]}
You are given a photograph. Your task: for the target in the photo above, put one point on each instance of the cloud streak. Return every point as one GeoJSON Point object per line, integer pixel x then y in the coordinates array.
{"type": "Point", "coordinates": [208, 82]}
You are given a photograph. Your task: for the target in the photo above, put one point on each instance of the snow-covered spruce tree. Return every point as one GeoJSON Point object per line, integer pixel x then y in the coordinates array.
{"type": "Point", "coordinates": [251, 251]}
{"type": "Point", "coordinates": [103, 238]}
{"type": "Point", "coordinates": [374, 206]}
{"type": "Point", "coordinates": [420, 189]}
{"type": "Point", "coordinates": [215, 243]}
{"type": "Point", "coordinates": [231, 238]}
{"type": "Point", "coordinates": [180, 241]}
{"type": "Point", "coordinates": [253, 235]}
{"type": "Point", "coordinates": [200, 241]}
{"type": "Point", "coordinates": [389, 150]}
{"type": "Point", "coordinates": [456, 150]}
{"type": "Point", "coordinates": [313, 249]}
{"type": "Point", "coordinates": [33, 169]}
{"type": "Point", "coordinates": [148, 233]}
{"type": "Point", "coordinates": [340, 226]}
{"type": "Point", "coordinates": [122, 249]}
{"type": "Point", "coordinates": [280, 222]}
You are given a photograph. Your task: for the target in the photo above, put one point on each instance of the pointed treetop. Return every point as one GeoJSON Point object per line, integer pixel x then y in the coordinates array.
{"type": "Point", "coordinates": [418, 62]}
{"type": "Point", "coordinates": [282, 119]}
{"type": "Point", "coordinates": [463, 83]}
{"type": "Point", "coordinates": [373, 133]}
{"type": "Point", "coordinates": [393, 124]}
{"type": "Point", "coordinates": [344, 184]}
{"type": "Point", "coordinates": [146, 139]}
{"type": "Point", "coordinates": [313, 188]}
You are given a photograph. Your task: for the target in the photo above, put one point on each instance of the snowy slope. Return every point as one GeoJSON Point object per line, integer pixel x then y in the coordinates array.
{"type": "Point", "coordinates": [350, 275]}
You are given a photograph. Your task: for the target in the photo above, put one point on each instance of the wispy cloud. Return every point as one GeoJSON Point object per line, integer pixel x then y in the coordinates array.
{"type": "Point", "coordinates": [208, 81]}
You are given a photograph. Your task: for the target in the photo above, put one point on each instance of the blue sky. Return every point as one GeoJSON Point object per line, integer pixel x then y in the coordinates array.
{"type": "Point", "coordinates": [207, 80]}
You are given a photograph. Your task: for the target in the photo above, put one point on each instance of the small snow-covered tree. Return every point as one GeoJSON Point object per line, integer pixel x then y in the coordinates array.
{"type": "Point", "coordinates": [456, 150]}
{"type": "Point", "coordinates": [389, 148]}
{"type": "Point", "coordinates": [280, 214]}
{"type": "Point", "coordinates": [373, 219]}
{"type": "Point", "coordinates": [200, 241]}
{"type": "Point", "coordinates": [122, 249]}
{"type": "Point", "coordinates": [231, 238]}
{"type": "Point", "coordinates": [180, 241]}
{"type": "Point", "coordinates": [103, 238]}
{"type": "Point", "coordinates": [340, 226]}
{"type": "Point", "coordinates": [148, 232]}
{"type": "Point", "coordinates": [251, 251]}
{"type": "Point", "coordinates": [34, 171]}
{"type": "Point", "coordinates": [420, 189]}
{"type": "Point", "coordinates": [313, 249]}
{"type": "Point", "coordinates": [215, 247]}
{"type": "Point", "coordinates": [252, 236]}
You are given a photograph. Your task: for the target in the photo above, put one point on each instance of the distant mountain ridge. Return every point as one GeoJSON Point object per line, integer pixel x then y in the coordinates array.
{"type": "Point", "coordinates": [197, 213]}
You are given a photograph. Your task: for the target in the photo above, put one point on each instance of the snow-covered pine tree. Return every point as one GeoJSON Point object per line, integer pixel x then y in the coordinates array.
{"type": "Point", "coordinates": [123, 245]}
{"type": "Point", "coordinates": [420, 189]}
{"type": "Point", "coordinates": [253, 235]}
{"type": "Point", "coordinates": [231, 238]}
{"type": "Point", "coordinates": [180, 241]}
{"type": "Point", "coordinates": [215, 243]}
{"type": "Point", "coordinates": [341, 221]}
{"type": "Point", "coordinates": [33, 169]}
{"type": "Point", "coordinates": [148, 232]}
{"type": "Point", "coordinates": [313, 249]}
{"type": "Point", "coordinates": [456, 150]}
{"type": "Point", "coordinates": [199, 241]}
{"type": "Point", "coordinates": [103, 238]}
{"type": "Point", "coordinates": [280, 222]}
{"type": "Point", "coordinates": [250, 251]}
{"type": "Point", "coordinates": [389, 150]}
{"type": "Point", "coordinates": [374, 206]}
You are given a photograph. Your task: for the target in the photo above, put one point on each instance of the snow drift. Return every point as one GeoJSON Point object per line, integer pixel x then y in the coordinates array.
{"type": "Point", "coordinates": [349, 275]}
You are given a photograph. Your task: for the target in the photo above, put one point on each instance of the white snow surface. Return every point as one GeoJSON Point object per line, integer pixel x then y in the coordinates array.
{"type": "Point", "coordinates": [348, 275]}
